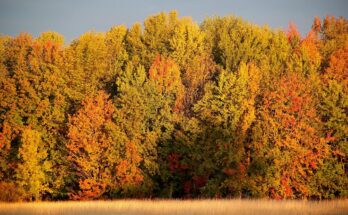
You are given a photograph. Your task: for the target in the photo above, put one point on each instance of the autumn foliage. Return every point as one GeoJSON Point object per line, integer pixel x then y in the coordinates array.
{"type": "Point", "coordinates": [166, 75]}
{"type": "Point", "coordinates": [173, 109]}
{"type": "Point", "coordinates": [297, 150]}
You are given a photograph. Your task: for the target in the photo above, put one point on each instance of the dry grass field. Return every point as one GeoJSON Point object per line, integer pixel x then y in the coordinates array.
{"type": "Point", "coordinates": [177, 207]}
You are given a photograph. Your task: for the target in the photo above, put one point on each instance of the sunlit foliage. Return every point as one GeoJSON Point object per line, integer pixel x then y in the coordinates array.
{"type": "Point", "coordinates": [170, 108]}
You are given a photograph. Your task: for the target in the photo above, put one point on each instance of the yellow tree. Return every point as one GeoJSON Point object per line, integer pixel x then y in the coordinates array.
{"type": "Point", "coordinates": [157, 33]}
{"type": "Point", "coordinates": [191, 52]}
{"type": "Point", "coordinates": [186, 41]}
{"type": "Point", "coordinates": [32, 171]}
{"type": "Point", "coordinates": [116, 50]}
{"type": "Point", "coordinates": [86, 66]}
{"type": "Point", "coordinates": [32, 94]}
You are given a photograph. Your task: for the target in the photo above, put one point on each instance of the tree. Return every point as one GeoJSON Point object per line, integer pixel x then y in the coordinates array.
{"type": "Point", "coordinates": [227, 111]}
{"type": "Point", "coordinates": [190, 51]}
{"type": "Point", "coordinates": [15, 70]}
{"type": "Point", "coordinates": [7, 93]}
{"type": "Point", "coordinates": [92, 141]}
{"type": "Point", "coordinates": [176, 109]}
{"type": "Point", "coordinates": [157, 34]}
{"type": "Point", "coordinates": [136, 115]}
{"type": "Point", "coordinates": [186, 41]}
{"type": "Point", "coordinates": [32, 92]}
{"type": "Point", "coordinates": [127, 172]}
{"type": "Point", "coordinates": [32, 172]}
{"type": "Point", "coordinates": [330, 181]}
{"type": "Point", "coordinates": [305, 56]}
{"type": "Point", "coordinates": [287, 148]}
{"type": "Point", "coordinates": [86, 66]}
{"type": "Point", "coordinates": [165, 74]}
{"type": "Point", "coordinates": [337, 69]}
{"type": "Point", "coordinates": [234, 41]}
{"type": "Point", "coordinates": [116, 50]}
{"type": "Point", "coordinates": [196, 74]}
{"type": "Point", "coordinates": [51, 37]}
{"type": "Point", "coordinates": [294, 35]}
{"type": "Point", "coordinates": [333, 33]}
{"type": "Point", "coordinates": [145, 113]}
{"type": "Point", "coordinates": [135, 45]}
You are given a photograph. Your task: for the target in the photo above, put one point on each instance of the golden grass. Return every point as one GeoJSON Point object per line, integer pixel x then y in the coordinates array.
{"type": "Point", "coordinates": [177, 207]}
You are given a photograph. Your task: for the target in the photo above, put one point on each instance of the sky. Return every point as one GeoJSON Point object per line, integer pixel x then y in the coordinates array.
{"type": "Point", "coordinates": [74, 17]}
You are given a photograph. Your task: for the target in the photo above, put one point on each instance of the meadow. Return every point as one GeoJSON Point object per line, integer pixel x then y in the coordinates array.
{"type": "Point", "coordinates": [177, 207]}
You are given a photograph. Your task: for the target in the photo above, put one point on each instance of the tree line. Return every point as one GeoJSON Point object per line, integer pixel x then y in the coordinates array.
{"type": "Point", "coordinates": [173, 109]}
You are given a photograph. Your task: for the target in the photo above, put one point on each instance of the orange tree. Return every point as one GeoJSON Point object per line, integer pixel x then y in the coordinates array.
{"type": "Point", "coordinates": [287, 148]}
{"type": "Point", "coordinates": [101, 156]}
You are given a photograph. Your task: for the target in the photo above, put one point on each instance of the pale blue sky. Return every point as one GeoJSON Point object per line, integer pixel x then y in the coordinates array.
{"type": "Point", "coordinates": [74, 17]}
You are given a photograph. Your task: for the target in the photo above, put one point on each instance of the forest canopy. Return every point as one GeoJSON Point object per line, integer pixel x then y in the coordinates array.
{"type": "Point", "coordinates": [175, 109]}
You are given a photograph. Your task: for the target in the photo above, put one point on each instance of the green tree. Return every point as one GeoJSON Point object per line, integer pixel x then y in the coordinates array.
{"type": "Point", "coordinates": [134, 44]}
{"type": "Point", "coordinates": [330, 181]}
{"type": "Point", "coordinates": [227, 111]}
{"type": "Point", "coordinates": [234, 41]}
{"type": "Point", "coordinates": [146, 106]}
{"type": "Point", "coordinates": [116, 51]}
